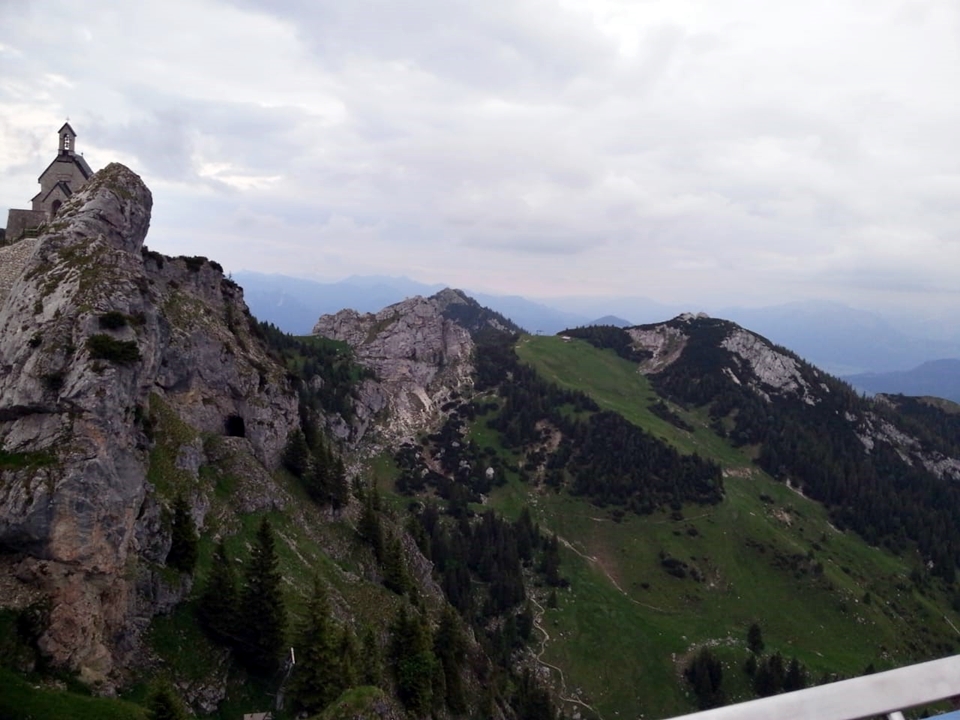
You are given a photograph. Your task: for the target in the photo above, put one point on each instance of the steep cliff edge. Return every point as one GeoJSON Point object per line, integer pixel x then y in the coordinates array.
{"type": "Point", "coordinates": [98, 336]}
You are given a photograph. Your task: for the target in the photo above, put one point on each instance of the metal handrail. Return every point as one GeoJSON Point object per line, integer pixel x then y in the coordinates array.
{"type": "Point", "coordinates": [883, 693]}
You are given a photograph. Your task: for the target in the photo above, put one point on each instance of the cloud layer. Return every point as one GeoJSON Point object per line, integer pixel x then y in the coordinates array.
{"type": "Point", "coordinates": [742, 152]}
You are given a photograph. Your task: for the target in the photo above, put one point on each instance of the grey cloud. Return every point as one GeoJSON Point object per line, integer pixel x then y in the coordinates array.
{"type": "Point", "coordinates": [525, 244]}
{"type": "Point", "coordinates": [742, 149]}
{"type": "Point", "coordinates": [528, 46]}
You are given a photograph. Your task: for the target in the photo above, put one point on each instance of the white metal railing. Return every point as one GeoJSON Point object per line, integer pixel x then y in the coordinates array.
{"type": "Point", "coordinates": [884, 693]}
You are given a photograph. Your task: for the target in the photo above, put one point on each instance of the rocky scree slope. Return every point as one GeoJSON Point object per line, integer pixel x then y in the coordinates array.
{"type": "Point", "coordinates": [421, 352]}
{"type": "Point", "coordinates": [98, 335]}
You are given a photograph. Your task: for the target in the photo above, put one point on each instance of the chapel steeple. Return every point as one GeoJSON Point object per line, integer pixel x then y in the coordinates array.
{"type": "Point", "coordinates": [68, 139]}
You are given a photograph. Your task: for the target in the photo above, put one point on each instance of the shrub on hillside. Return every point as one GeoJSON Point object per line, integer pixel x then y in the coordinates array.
{"type": "Point", "coordinates": [121, 352]}
{"type": "Point", "coordinates": [112, 320]}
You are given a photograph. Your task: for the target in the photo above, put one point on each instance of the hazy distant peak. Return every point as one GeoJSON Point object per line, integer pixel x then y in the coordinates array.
{"type": "Point", "coordinates": [612, 321]}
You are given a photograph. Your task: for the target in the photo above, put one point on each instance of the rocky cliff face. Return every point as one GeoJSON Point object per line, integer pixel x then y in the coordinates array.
{"type": "Point", "coordinates": [98, 335]}
{"type": "Point", "coordinates": [420, 356]}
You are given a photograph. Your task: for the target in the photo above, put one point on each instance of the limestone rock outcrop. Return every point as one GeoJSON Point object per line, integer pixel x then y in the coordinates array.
{"type": "Point", "coordinates": [756, 362]}
{"type": "Point", "coordinates": [420, 350]}
{"type": "Point", "coordinates": [97, 335]}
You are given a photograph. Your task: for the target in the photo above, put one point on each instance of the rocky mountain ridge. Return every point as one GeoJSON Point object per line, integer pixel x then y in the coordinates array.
{"type": "Point", "coordinates": [420, 351]}
{"type": "Point", "coordinates": [97, 337]}
{"type": "Point", "coordinates": [750, 361]}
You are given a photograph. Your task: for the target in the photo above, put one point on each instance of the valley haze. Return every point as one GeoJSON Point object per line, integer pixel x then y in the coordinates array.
{"type": "Point", "coordinates": [837, 338]}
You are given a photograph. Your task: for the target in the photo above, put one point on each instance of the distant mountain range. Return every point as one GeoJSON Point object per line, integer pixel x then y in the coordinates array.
{"type": "Point", "coordinates": [841, 340]}
{"type": "Point", "coordinates": [294, 305]}
{"type": "Point", "coordinates": [940, 378]}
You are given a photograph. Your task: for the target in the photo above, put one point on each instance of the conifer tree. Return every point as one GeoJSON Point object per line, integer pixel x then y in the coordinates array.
{"type": "Point", "coordinates": [395, 575]}
{"type": "Point", "coordinates": [263, 618]}
{"type": "Point", "coordinates": [413, 662]}
{"type": "Point", "coordinates": [183, 538]}
{"type": "Point", "coordinates": [371, 659]}
{"type": "Point", "coordinates": [317, 679]}
{"type": "Point", "coordinates": [296, 455]}
{"type": "Point", "coordinates": [550, 563]}
{"type": "Point", "coordinates": [755, 639]}
{"type": "Point", "coordinates": [796, 676]}
{"type": "Point", "coordinates": [525, 622]}
{"type": "Point", "coordinates": [369, 528]}
{"type": "Point", "coordinates": [163, 703]}
{"type": "Point", "coordinates": [526, 535]}
{"type": "Point", "coordinates": [768, 680]}
{"type": "Point", "coordinates": [218, 603]}
{"type": "Point", "coordinates": [533, 702]}
{"type": "Point", "coordinates": [317, 481]}
{"type": "Point", "coordinates": [339, 486]}
{"type": "Point", "coordinates": [705, 674]}
{"type": "Point", "coordinates": [349, 655]}
{"type": "Point", "coordinates": [450, 647]}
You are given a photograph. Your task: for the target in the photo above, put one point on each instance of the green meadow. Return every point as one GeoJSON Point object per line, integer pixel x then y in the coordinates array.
{"type": "Point", "coordinates": [623, 630]}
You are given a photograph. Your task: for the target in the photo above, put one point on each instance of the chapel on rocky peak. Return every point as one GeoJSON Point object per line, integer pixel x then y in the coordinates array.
{"type": "Point", "coordinates": [64, 176]}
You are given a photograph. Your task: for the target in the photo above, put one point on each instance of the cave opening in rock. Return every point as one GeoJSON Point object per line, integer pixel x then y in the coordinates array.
{"type": "Point", "coordinates": [235, 426]}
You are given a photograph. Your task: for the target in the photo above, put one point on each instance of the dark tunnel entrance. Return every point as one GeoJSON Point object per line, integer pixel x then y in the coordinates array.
{"type": "Point", "coordinates": [235, 426]}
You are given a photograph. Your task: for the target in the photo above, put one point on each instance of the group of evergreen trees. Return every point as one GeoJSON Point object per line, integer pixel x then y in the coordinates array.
{"type": "Point", "coordinates": [318, 467]}
{"type": "Point", "coordinates": [600, 455]}
{"type": "Point", "coordinates": [385, 545]}
{"type": "Point", "coordinates": [328, 658]}
{"type": "Point", "coordinates": [773, 675]}
{"type": "Point", "coordinates": [309, 359]}
{"type": "Point", "coordinates": [770, 674]}
{"type": "Point", "coordinates": [705, 675]}
{"type": "Point", "coordinates": [250, 617]}
{"type": "Point", "coordinates": [466, 474]}
{"type": "Point", "coordinates": [479, 564]}
{"type": "Point", "coordinates": [610, 337]}
{"type": "Point", "coordinates": [426, 668]}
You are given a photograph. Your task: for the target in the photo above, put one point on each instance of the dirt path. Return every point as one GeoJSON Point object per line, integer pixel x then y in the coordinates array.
{"type": "Point", "coordinates": [538, 624]}
{"type": "Point", "coordinates": [594, 561]}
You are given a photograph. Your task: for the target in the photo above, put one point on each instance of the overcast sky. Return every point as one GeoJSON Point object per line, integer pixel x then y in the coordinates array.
{"type": "Point", "coordinates": [697, 151]}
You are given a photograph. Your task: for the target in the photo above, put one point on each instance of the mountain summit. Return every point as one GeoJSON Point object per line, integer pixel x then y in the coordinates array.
{"type": "Point", "coordinates": [420, 351]}
{"type": "Point", "coordinates": [103, 345]}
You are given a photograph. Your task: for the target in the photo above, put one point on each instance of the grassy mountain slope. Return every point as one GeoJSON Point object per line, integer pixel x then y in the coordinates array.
{"type": "Point", "coordinates": [642, 593]}
{"type": "Point", "coordinates": [765, 554]}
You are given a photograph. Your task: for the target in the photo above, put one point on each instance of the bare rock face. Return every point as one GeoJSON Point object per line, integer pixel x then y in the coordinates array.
{"type": "Point", "coordinates": [663, 342]}
{"type": "Point", "coordinates": [419, 355]}
{"type": "Point", "coordinates": [95, 331]}
{"type": "Point", "coordinates": [873, 429]}
{"type": "Point", "coordinates": [772, 369]}
{"type": "Point", "coordinates": [756, 363]}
